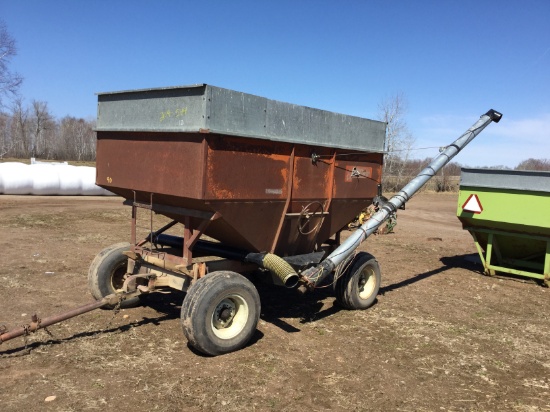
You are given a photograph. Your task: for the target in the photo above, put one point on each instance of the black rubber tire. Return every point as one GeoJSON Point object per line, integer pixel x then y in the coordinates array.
{"type": "Point", "coordinates": [222, 292]}
{"type": "Point", "coordinates": [106, 274]}
{"type": "Point", "coordinates": [359, 284]}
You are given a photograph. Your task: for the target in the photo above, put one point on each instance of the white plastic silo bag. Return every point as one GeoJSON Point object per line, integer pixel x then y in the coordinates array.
{"type": "Point", "coordinates": [45, 179]}
{"type": "Point", "coordinates": [70, 182]}
{"type": "Point", "coordinates": [87, 176]}
{"type": "Point", "coordinates": [16, 178]}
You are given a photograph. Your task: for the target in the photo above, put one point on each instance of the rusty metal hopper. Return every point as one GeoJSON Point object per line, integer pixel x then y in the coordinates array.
{"type": "Point", "coordinates": [253, 173]}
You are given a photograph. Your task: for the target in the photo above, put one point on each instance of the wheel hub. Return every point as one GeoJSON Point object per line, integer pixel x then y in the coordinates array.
{"type": "Point", "coordinates": [362, 283]}
{"type": "Point", "coordinates": [224, 314]}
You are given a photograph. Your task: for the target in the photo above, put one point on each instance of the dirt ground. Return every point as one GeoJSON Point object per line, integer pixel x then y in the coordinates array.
{"type": "Point", "coordinates": [441, 336]}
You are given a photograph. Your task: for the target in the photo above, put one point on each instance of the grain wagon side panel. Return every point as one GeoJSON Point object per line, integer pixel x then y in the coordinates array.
{"type": "Point", "coordinates": [169, 163]}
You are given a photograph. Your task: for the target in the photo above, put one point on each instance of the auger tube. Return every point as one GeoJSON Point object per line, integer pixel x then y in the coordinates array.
{"type": "Point", "coordinates": [313, 276]}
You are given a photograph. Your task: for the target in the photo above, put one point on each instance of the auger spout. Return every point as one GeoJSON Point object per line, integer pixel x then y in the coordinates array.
{"type": "Point", "coordinates": [310, 278]}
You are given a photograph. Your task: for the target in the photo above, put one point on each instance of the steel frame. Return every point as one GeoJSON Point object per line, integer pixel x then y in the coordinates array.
{"type": "Point", "coordinates": [507, 265]}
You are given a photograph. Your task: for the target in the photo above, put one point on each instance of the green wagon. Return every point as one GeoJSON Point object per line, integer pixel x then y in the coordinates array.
{"type": "Point", "coordinates": [507, 212]}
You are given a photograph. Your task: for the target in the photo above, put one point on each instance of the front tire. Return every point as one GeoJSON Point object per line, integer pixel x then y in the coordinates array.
{"type": "Point", "coordinates": [220, 313]}
{"type": "Point", "coordinates": [107, 273]}
{"type": "Point", "coordinates": [358, 286]}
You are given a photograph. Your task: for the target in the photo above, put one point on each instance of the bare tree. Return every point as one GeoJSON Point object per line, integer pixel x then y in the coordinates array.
{"type": "Point", "coordinates": [20, 130]}
{"type": "Point", "coordinates": [6, 142]}
{"type": "Point", "coordinates": [399, 140]}
{"type": "Point", "coordinates": [9, 82]}
{"type": "Point", "coordinates": [42, 130]}
{"type": "Point", "coordinates": [453, 169]}
{"type": "Point", "coordinates": [78, 138]}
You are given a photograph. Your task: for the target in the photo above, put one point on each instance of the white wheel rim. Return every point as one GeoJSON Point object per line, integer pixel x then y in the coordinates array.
{"type": "Point", "coordinates": [229, 317]}
{"type": "Point", "coordinates": [367, 283]}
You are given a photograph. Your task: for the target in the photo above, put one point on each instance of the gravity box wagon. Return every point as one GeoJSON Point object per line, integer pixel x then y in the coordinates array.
{"type": "Point", "coordinates": [245, 185]}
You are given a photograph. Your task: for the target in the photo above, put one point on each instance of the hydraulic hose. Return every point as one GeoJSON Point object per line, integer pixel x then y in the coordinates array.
{"type": "Point", "coordinates": [276, 265]}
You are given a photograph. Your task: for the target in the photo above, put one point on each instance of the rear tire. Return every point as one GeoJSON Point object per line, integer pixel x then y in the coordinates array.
{"type": "Point", "coordinates": [220, 313]}
{"type": "Point", "coordinates": [107, 273]}
{"type": "Point", "coordinates": [359, 284]}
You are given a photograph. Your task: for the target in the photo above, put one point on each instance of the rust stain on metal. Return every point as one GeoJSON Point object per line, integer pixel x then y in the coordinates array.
{"type": "Point", "coordinates": [240, 169]}
{"type": "Point", "coordinates": [252, 182]}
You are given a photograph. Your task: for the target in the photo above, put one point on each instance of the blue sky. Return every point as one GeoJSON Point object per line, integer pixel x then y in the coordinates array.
{"type": "Point", "coordinates": [453, 60]}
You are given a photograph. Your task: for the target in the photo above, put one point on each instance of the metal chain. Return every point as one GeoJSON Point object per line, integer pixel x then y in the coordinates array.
{"type": "Point", "coordinates": [45, 328]}
{"type": "Point", "coordinates": [48, 332]}
{"type": "Point", "coordinates": [26, 350]}
{"type": "Point", "coordinates": [116, 311]}
{"type": "Point", "coordinates": [26, 337]}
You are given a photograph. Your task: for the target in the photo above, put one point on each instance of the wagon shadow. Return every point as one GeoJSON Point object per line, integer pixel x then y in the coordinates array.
{"type": "Point", "coordinates": [472, 262]}
{"type": "Point", "coordinates": [449, 262]}
{"type": "Point", "coordinates": [279, 303]}
{"type": "Point", "coordinates": [166, 303]}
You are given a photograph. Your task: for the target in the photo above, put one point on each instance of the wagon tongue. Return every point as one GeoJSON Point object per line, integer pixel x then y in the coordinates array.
{"type": "Point", "coordinates": [310, 278]}
{"type": "Point", "coordinates": [38, 323]}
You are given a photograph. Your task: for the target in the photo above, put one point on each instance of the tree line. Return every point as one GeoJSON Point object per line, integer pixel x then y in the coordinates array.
{"type": "Point", "coordinates": [447, 179]}
{"type": "Point", "coordinates": [412, 167]}
{"type": "Point", "coordinates": [31, 131]}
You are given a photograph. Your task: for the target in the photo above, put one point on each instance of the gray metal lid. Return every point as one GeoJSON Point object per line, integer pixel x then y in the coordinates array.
{"type": "Point", "coordinates": [202, 107]}
{"type": "Point", "coordinates": [524, 180]}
